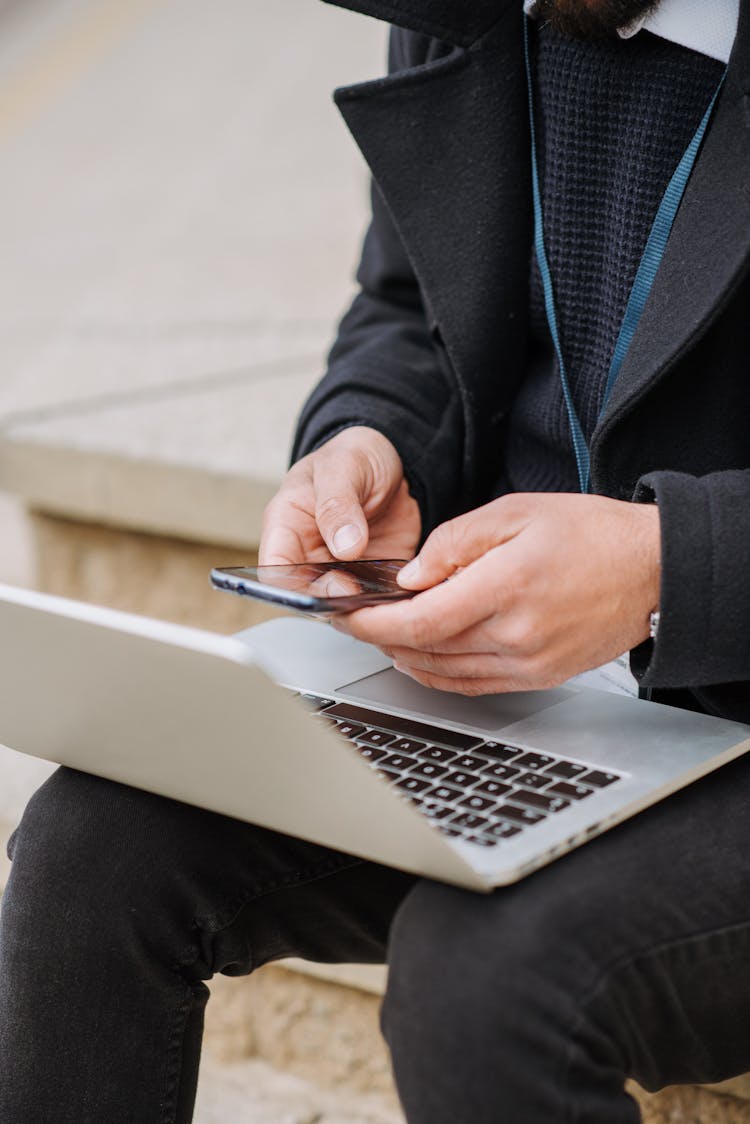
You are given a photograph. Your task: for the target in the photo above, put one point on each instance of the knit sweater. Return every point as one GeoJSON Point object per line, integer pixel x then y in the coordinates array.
{"type": "Point", "coordinates": [613, 121]}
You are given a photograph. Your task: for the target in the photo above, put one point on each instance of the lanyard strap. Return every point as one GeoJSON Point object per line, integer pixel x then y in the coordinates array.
{"type": "Point", "coordinates": [644, 279]}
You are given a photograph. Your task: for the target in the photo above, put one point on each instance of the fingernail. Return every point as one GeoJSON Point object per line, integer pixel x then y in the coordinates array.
{"type": "Point", "coordinates": [345, 538]}
{"type": "Point", "coordinates": [410, 572]}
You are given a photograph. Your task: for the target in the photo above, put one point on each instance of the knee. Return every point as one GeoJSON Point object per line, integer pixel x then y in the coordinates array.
{"type": "Point", "coordinates": [486, 1002]}
{"type": "Point", "coordinates": [517, 960]}
{"type": "Point", "coordinates": [84, 842]}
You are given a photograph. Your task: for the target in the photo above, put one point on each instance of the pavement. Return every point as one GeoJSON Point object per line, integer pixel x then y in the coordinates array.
{"type": "Point", "coordinates": [180, 198]}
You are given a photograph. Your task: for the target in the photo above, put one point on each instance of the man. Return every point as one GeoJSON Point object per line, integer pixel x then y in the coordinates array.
{"type": "Point", "coordinates": [463, 402]}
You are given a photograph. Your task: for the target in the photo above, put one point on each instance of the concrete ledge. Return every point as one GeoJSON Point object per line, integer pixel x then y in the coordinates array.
{"type": "Point", "coordinates": [201, 465]}
{"type": "Point", "coordinates": [148, 574]}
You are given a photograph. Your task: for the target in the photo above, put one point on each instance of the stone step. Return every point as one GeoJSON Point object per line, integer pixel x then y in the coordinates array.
{"type": "Point", "coordinates": [252, 1090]}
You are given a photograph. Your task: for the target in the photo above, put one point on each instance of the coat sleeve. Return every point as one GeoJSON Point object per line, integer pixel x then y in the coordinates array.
{"type": "Point", "coordinates": [703, 641]}
{"type": "Point", "coordinates": [386, 369]}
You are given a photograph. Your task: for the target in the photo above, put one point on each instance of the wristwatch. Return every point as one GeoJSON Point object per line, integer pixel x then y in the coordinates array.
{"type": "Point", "coordinates": [654, 620]}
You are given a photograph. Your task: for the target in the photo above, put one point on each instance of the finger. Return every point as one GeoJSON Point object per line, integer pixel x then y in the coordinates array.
{"type": "Point", "coordinates": [335, 584]}
{"type": "Point", "coordinates": [340, 487]}
{"type": "Point", "coordinates": [495, 685]}
{"type": "Point", "coordinates": [280, 545]}
{"type": "Point", "coordinates": [457, 543]}
{"type": "Point", "coordinates": [464, 665]}
{"type": "Point", "coordinates": [439, 614]}
{"type": "Point", "coordinates": [479, 640]}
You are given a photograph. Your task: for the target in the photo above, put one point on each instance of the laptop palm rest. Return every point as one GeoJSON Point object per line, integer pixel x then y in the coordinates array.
{"type": "Point", "coordinates": [491, 713]}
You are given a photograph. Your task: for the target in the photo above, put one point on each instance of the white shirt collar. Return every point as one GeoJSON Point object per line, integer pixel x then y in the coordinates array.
{"type": "Point", "coordinates": [706, 26]}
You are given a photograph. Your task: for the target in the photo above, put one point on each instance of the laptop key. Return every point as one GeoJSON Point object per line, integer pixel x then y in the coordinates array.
{"type": "Point", "coordinates": [446, 793]}
{"type": "Point", "coordinates": [432, 753]}
{"type": "Point", "coordinates": [571, 791]}
{"type": "Point", "coordinates": [500, 772]}
{"type": "Point", "coordinates": [493, 788]}
{"type": "Point", "coordinates": [477, 803]}
{"type": "Point", "coordinates": [497, 752]}
{"type": "Point", "coordinates": [430, 769]}
{"type": "Point", "coordinates": [469, 820]}
{"type": "Point", "coordinates": [399, 761]}
{"type": "Point", "coordinates": [371, 752]}
{"type": "Point", "coordinates": [483, 840]}
{"type": "Point", "coordinates": [463, 780]}
{"type": "Point", "coordinates": [406, 727]}
{"type": "Point", "coordinates": [376, 737]}
{"type": "Point", "coordinates": [533, 780]}
{"type": "Point", "coordinates": [535, 760]}
{"type": "Point", "coordinates": [502, 830]}
{"type": "Point", "coordinates": [540, 800]}
{"type": "Point", "coordinates": [349, 730]}
{"type": "Point", "coordinates": [599, 779]}
{"type": "Point", "coordinates": [388, 774]}
{"type": "Point", "coordinates": [523, 816]}
{"type": "Point", "coordinates": [471, 763]}
{"type": "Point", "coordinates": [435, 811]}
{"type": "Point", "coordinates": [412, 784]}
{"type": "Point", "coordinates": [447, 830]}
{"type": "Point", "coordinates": [566, 770]}
{"type": "Point", "coordinates": [408, 745]}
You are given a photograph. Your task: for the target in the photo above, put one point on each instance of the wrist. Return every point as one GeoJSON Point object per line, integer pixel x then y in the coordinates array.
{"type": "Point", "coordinates": [647, 543]}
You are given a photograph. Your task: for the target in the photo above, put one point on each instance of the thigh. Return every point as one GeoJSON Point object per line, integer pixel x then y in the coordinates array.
{"type": "Point", "coordinates": [118, 905]}
{"type": "Point", "coordinates": [94, 859]}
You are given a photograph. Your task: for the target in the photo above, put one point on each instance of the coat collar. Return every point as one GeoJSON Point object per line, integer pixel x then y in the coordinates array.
{"type": "Point", "coordinates": [459, 22]}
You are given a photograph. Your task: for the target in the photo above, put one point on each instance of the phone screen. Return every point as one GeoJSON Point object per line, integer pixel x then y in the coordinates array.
{"type": "Point", "coordinates": [322, 587]}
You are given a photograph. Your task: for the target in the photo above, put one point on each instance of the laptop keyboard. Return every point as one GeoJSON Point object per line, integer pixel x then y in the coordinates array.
{"type": "Point", "coordinates": [479, 791]}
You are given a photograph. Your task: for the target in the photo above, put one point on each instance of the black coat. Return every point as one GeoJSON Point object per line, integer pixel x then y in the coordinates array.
{"type": "Point", "coordinates": [433, 348]}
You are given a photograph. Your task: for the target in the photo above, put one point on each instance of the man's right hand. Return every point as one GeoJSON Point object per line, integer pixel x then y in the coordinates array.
{"type": "Point", "coordinates": [347, 500]}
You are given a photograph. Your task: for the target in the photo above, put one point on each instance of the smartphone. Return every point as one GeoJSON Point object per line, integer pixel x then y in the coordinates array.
{"type": "Point", "coordinates": [317, 587]}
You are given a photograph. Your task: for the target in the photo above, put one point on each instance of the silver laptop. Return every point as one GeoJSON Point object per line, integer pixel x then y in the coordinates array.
{"type": "Point", "coordinates": [294, 727]}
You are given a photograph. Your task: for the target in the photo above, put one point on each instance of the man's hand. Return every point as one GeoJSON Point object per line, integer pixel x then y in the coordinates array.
{"type": "Point", "coordinates": [347, 500]}
{"type": "Point", "coordinates": [542, 587]}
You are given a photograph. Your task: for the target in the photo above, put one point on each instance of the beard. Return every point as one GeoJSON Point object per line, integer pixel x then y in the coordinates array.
{"type": "Point", "coordinates": [591, 19]}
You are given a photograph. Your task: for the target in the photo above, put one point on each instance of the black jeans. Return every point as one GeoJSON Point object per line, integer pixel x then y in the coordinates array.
{"type": "Point", "coordinates": [631, 956]}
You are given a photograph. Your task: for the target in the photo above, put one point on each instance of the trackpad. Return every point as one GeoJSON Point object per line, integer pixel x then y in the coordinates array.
{"type": "Point", "coordinates": [491, 713]}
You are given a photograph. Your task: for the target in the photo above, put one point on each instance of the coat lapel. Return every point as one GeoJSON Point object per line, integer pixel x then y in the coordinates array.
{"type": "Point", "coordinates": [447, 143]}
{"type": "Point", "coordinates": [708, 249]}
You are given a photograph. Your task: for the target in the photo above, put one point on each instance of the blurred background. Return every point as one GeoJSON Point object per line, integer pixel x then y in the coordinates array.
{"type": "Point", "coordinates": [180, 214]}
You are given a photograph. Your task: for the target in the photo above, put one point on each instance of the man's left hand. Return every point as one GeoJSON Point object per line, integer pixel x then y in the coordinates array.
{"type": "Point", "coordinates": [542, 587]}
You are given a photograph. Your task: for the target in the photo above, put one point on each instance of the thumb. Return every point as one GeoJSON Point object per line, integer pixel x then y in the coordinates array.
{"type": "Point", "coordinates": [338, 512]}
{"type": "Point", "coordinates": [457, 544]}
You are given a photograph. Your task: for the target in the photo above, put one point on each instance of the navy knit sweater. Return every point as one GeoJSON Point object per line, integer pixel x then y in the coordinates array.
{"type": "Point", "coordinates": [613, 121]}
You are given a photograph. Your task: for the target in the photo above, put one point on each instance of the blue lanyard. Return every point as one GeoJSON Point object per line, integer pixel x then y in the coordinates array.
{"type": "Point", "coordinates": [644, 280]}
